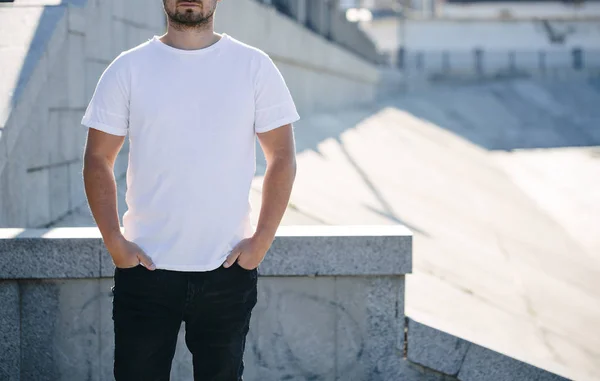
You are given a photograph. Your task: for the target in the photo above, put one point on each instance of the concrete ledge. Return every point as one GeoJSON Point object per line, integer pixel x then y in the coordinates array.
{"type": "Point", "coordinates": [466, 361]}
{"type": "Point", "coordinates": [60, 328]}
{"type": "Point", "coordinates": [302, 250]}
{"type": "Point", "coordinates": [40, 258]}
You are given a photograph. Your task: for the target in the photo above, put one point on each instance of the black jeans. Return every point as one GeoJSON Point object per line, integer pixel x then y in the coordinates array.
{"type": "Point", "coordinates": [149, 306]}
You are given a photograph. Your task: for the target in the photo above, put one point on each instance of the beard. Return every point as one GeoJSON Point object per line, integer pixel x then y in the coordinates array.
{"type": "Point", "coordinates": [190, 19]}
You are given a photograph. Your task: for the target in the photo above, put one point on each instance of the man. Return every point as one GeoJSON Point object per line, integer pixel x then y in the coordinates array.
{"type": "Point", "coordinates": [192, 102]}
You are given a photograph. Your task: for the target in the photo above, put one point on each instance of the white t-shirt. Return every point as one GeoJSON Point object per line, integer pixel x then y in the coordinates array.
{"type": "Point", "coordinates": [191, 116]}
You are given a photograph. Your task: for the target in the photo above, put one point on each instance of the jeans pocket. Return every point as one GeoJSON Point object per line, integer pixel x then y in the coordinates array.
{"type": "Point", "coordinates": [252, 273]}
{"type": "Point", "coordinates": [243, 268]}
{"type": "Point", "coordinates": [127, 269]}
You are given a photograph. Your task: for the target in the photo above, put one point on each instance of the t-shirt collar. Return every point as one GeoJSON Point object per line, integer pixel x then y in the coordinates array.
{"type": "Point", "coordinates": [214, 47]}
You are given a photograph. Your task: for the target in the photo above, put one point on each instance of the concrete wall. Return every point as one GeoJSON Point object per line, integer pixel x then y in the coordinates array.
{"type": "Point", "coordinates": [330, 307]}
{"type": "Point", "coordinates": [331, 302]}
{"type": "Point", "coordinates": [51, 58]}
{"type": "Point", "coordinates": [52, 53]}
{"type": "Point", "coordinates": [327, 19]}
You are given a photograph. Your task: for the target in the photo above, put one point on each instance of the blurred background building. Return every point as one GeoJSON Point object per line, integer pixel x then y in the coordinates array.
{"type": "Point", "coordinates": [476, 125]}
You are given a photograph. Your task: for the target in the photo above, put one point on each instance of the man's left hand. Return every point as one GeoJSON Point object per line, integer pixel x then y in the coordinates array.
{"type": "Point", "coordinates": [248, 253]}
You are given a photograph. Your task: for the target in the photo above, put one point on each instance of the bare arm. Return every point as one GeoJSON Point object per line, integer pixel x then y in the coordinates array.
{"type": "Point", "coordinates": [101, 190]}
{"type": "Point", "coordinates": [100, 186]}
{"type": "Point", "coordinates": [278, 146]}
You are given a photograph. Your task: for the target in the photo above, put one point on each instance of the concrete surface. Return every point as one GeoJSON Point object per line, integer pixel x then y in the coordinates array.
{"type": "Point", "coordinates": [344, 325]}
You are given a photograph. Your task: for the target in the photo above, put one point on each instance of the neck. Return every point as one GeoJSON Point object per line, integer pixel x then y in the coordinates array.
{"type": "Point", "coordinates": [190, 39]}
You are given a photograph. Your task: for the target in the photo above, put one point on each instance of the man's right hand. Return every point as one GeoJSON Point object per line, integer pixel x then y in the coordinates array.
{"type": "Point", "coordinates": [126, 254]}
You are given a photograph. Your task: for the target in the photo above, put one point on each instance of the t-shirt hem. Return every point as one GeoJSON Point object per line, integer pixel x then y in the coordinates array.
{"type": "Point", "coordinates": [279, 123]}
{"type": "Point", "coordinates": [211, 267]}
{"type": "Point", "coordinates": [103, 127]}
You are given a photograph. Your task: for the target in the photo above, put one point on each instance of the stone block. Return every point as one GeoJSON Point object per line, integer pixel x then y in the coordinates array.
{"type": "Point", "coordinates": [13, 180]}
{"type": "Point", "coordinates": [77, 195]}
{"type": "Point", "coordinates": [66, 137]}
{"type": "Point", "coordinates": [93, 71]}
{"type": "Point", "coordinates": [281, 344]}
{"type": "Point", "coordinates": [76, 20]}
{"type": "Point", "coordinates": [76, 82]}
{"type": "Point", "coordinates": [12, 59]}
{"type": "Point", "coordinates": [118, 8]}
{"type": "Point", "coordinates": [107, 267]}
{"type": "Point", "coordinates": [38, 133]}
{"type": "Point", "coordinates": [59, 330]}
{"type": "Point", "coordinates": [10, 344]}
{"type": "Point", "coordinates": [107, 334]}
{"type": "Point", "coordinates": [435, 349]}
{"type": "Point", "coordinates": [49, 258]}
{"type": "Point", "coordinates": [338, 328]}
{"type": "Point", "coordinates": [137, 36]}
{"type": "Point", "coordinates": [58, 76]}
{"type": "Point", "coordinates": [3, 154]}
{"type": "Point", "coordinates": [38, 198]}
{"type": "Point", "coordinates": [154, 19]}
{"type": "Point", "coordinates": [385, 327]}
{"type": "Point", "coordinates": [52, 132]}
{"type": "Point", "coordinates": [132, 36]}
{"type": "Point", "coordinates": [353, 361]}
{"type": "Point", "coordinates": [132, 13]}
{"type": "Point", "coordinates": [370, 336]}
{"type": "Point", "coordinates": [373, 251]}
{"type": "Point", "coordinates": [12, 132]}
{"type": "Point", "coordinates": [119, 36]}
{"type": "Point", "coordinates": [98, 40]}
{"type": "Point", "coordinates": [59, 191]}
{"type": "Point", "coordinates": [57, 39]}
{"type": "Point", "coordinates": [484, 364]}
{"type": "Point", "coordinates": [34, 68]}
{"type": "Point", "coordinates": [4, 217]}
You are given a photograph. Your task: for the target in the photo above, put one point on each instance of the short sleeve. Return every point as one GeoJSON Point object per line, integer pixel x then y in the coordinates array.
{"type": "Point", "coordinates": [274, 106]}
{"type": "Point", "coordinates": [108, 110]}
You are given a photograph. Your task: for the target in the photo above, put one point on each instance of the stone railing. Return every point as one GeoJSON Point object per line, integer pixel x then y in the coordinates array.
{"type": "Point", "coordinates": [331, 306]}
